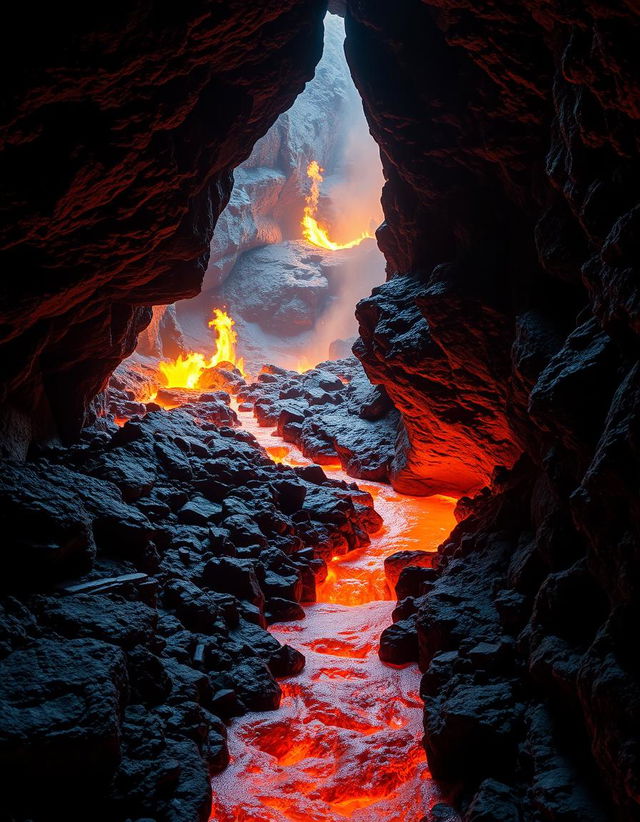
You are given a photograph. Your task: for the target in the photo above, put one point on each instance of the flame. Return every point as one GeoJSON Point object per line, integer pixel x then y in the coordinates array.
{"type": "Point", "coordinates": [185, 371]}
{"type": "Point", "coordinates": [304, 364]}
{"type": "Point", "coordinates": [312, 231]}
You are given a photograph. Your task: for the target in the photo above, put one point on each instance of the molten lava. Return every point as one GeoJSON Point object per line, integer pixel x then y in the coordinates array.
{"type": "Point", "coordinates": [311, 229]}
{"type": "Point", "coordinates": [345, 743]}
{"type": "Point", "coordinates": [185, 371]}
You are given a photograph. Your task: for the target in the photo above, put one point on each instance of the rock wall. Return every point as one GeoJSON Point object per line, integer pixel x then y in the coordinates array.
{"type": "Point", "coordinates": [507, 335]}
{"type": "Point", "coordinates": [121, 128]}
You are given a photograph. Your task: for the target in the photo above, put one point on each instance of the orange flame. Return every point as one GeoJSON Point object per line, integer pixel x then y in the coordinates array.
{"type": "Point", "coordinates": [185, 371]}
{"type": "Point", "coordinates": [311, 229]}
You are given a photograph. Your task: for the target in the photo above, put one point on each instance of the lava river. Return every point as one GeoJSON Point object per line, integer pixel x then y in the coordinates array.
{"type": "Point", "coordinates": [346, 741]}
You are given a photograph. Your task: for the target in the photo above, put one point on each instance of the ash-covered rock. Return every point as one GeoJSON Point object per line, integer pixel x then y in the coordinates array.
{"type": "Point", "coordinates": [332, 412]}
{"type": "Point", "coordinates": [283, 288]}
{"type": "Point", "coordinates": [143, 567]}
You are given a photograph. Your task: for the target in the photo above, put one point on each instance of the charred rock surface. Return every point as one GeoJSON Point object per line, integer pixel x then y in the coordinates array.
{"type": "Point", "coordinates": [332, 413]}
{"type": "Point", "coordinates": [120, 133]}
{"type": "Point", "coordinates": [507, 338]}
{"type": "Point", "coordinates": [141, 569]}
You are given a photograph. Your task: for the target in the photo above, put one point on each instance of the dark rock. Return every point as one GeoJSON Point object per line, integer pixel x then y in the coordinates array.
{"type": "Point", "coordinates": [80, 330]}
{"type": "Point", "coordinates": [282, 610]}
{"type": "Point", "coordinates": [399, 643]}
{"type": "Point", "coordinates": [255, 686]}
{"type": "Point", "coordinates": [396, 563]}
{"type": "Point", "coordinates": [414, 581]}
{"type": "Point", "coordinates": [62, 709]}
{"type": "Point", "coordinates": [103, 617]}
{"type": "Point", "coordinates": [199, 511]}
{"type": "Point", "coordinates": [234, 576]}
{"type": "Point", "coordinates": [49, 527]}
{"type": "Point", "coordinates": [494, 802]}
{"type": "Point", "coordinates": [286, 661]}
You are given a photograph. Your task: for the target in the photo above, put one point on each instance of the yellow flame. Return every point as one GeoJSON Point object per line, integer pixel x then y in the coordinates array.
{"type": "Point", "coordinates": [311, 229]}
{"type": "Point", "coordinates": [304, 364]}
{"type": "Point", "coordinates": [185, 371]}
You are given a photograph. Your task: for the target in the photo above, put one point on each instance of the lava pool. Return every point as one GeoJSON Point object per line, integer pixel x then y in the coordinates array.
{"type": "Point", "coordinates": [346, 740]}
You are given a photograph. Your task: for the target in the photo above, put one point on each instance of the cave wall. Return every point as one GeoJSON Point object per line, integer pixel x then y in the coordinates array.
{"type": "Point", "coordinates": [121, 127]}
{"type": "Point", "coordinates": [507, 335]}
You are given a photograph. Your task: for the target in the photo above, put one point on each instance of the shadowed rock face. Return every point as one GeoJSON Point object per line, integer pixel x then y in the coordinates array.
{"type": "Point", "coordinates": [122, 129]}
{"type": "Point", "coordinates": [507, 336]}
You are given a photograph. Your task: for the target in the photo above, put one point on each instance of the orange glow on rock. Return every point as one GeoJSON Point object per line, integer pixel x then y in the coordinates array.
{"type": "Point", "coordinates": [312, 231]}
{"type": "Point", "coordinates": [346, 740]}
{"type": "Point", "coordinates": [304, 364]}
{"type": "Point", "coordinates": [185, 371]}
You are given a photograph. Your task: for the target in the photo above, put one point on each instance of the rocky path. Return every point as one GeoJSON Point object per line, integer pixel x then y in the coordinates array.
{"type": "Point", "coordinates": [345, 742]}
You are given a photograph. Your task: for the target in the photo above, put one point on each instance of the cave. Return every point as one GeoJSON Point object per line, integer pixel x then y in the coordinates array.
{"type": "Point", "coordinates": [311, 516]}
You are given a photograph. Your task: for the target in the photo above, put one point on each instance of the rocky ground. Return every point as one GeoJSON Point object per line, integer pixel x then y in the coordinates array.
{"type": "Point", "coordinates": [331, 412]}
{"type": "Point", "coordinates": [142, 568]}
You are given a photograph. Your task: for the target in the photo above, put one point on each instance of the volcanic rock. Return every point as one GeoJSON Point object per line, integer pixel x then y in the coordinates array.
{"type": "Point", "coordinates": [333, 413]}
{"type": "Point", "coordinates": [160, 607]}
{"type": "Point", "coordinates": [60, 346]}
{"type": "Point", "coordinates": [62, 702]}
{"type": "Point", "coordinates": [506, 336]}
{"type": "Point", "coordinates": [396, 563]}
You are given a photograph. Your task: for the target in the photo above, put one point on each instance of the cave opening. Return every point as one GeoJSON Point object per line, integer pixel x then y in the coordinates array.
{"type": "Point", "coordinates": [273, 326]}
{"type": "Point", "coordinates": [181, 524]}
{"type": "Point", "coordinates": [293, 251]}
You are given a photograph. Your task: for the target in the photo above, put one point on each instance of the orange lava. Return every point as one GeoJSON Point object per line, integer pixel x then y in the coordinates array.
{"type": "Point", "coordinates": [312, 231]}
{"type": "Point", "coordinates": [346, 741]}
{"type": "Point", "coordinates": [185, 371]}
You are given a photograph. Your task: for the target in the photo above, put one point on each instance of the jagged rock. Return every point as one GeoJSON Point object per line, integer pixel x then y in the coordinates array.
{"type": "Point", "coordinates": [286, 661]}
{"type": "Point", "coordinates": [399, 643]}
{"type": "Point", "coordinates": [281, 287]}
{"type": "Point", "coordinates": [89, 320]}
{"type": "Point", "coordinates": [256, 686]}
{"type": "Point", "coordinates": [333, 413]}
{"type": "Point", "coordinates": [62, 702]}
{"type": "Point", "coordinates": [490, 350]}
{"type": "Point", "coordinates": [107, 618]}
{"type": "Point", "coordinates": [395, 564]}
{"type": "Point", "coordinates": [494, 802]}
{"type": "Point", "coordinates": [225, 525]}
{"type": "Point", "coordinates": [49, 526]}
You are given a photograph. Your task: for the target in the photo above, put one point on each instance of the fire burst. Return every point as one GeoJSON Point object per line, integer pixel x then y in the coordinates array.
{"type": "Point", "coordinates": [185, 371]}
{"type": "Point", "coordinates": [311, 229]}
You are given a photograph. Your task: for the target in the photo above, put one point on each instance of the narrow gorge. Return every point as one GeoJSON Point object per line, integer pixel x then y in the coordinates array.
{"type": "Point", "coordinates": [319, 412]}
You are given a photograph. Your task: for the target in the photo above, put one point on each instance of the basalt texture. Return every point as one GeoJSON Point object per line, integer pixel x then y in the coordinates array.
{"type": "Point", "coordinates": [507, 336]}
{"type": "Point", "coordinates": [120, 131]}
{"type": "Point", "coordinates": [141, 569]}
{"type": "Point", "coordinates": [331, 412]}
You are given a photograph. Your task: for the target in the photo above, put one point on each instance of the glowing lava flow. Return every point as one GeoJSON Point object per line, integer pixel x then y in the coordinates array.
{"type": "Point", "coordinates": [311, 229]}
{"type": "Point", "coordinates": [345, 743]}
{"type": "Point", "coordinates": [185, 371]}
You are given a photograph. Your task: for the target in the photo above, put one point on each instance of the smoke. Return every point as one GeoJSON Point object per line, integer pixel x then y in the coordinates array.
{"type": "Point", "coordinates": [354, 186]}
{"type": "Point", "coordinates": [326, 125]}
{"type": "Point", "coordinates": [350, 204]}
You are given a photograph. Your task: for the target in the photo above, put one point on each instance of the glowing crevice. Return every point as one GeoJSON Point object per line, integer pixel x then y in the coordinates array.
{"type": "Point", "coordinates": [346, 740]}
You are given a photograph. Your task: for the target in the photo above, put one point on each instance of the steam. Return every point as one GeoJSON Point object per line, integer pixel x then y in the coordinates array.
{"type": "Point", "coordinates": [326, 130]}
